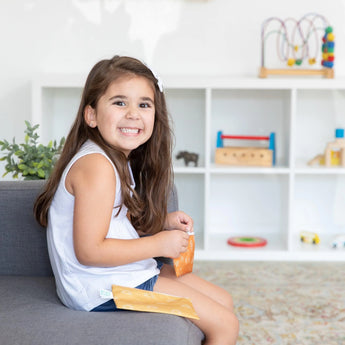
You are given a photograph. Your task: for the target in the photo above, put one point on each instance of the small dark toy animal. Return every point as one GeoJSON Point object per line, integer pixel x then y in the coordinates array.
{"type": "Point", "coordinates": [188, 157]}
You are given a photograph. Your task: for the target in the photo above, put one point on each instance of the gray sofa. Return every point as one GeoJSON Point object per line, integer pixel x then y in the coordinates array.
{"type": "Point", "coordinates": [30, 311]}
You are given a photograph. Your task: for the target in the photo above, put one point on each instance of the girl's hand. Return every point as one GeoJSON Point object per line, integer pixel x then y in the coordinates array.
{"type": "Point", "coordinates": [172, 243]}
{"type": "Point", "coordinates": [178, 221]}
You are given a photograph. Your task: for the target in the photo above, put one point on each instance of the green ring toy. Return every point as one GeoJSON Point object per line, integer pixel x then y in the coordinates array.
{"type": "Point", "coordinates": [247, 241]}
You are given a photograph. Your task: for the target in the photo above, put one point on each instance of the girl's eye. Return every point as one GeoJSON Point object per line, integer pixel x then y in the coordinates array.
{"type": "Point", "coordinates": [145, 105]}
{"type": "Point", "coordinates": [119, 103]}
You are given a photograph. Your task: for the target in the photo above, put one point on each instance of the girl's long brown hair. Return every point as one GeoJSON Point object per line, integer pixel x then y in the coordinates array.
{"type": "Point", "coordinates": [150, 162]}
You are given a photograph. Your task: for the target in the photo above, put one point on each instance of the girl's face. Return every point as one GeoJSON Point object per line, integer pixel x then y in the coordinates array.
{"type": "Point", "coordinates": [125, 114]}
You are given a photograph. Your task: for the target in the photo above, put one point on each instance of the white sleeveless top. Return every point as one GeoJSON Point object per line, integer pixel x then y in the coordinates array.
{"type": "Point", "coordinates": [78, 286]}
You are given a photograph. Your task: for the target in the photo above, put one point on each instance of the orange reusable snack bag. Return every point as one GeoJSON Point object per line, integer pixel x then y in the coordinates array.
{"type": "Point", "coordinates": [154, 302]}
{"type": "Point", "coordinates": [184, 263]}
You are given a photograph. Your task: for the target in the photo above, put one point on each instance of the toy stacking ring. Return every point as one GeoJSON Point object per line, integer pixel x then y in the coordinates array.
{"type": "Point", "coordinates": [249, 242]}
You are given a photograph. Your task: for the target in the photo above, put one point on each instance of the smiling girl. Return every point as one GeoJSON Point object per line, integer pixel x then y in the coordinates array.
{"type": "Point", "coordinates": [110, 187]}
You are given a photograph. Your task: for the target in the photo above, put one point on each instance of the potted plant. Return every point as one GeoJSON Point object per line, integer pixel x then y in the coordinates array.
{"type": "Point", "coordinates": [31, 160]}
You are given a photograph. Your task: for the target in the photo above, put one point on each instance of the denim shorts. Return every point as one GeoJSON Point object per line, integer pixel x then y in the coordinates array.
{"type": "Point", "coordinates": [147, 285]}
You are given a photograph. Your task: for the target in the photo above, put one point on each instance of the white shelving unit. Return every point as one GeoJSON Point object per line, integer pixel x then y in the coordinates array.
{"type": "Point", "coordinates": [276, 202]}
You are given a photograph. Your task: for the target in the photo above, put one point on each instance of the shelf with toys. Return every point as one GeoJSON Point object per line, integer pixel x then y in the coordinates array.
{"type": "Point", "coordinates": [275, 202]}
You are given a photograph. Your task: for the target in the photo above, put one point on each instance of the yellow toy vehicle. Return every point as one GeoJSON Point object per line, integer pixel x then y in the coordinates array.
{"type": "Point", "coordinates": [309, 237]}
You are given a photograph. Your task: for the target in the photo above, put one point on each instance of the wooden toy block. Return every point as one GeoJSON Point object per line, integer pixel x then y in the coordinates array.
{"type": "Point", "coordinates": [338, 144]}
{"type": "Point", "coordinates": [246, 156]}
{"type": "Point", "coordinates": [334, 154]}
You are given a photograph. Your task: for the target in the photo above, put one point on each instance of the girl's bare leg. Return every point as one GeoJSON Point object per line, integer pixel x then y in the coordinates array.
{"type": "Point", "coordinates": [218, 322]}
{"type": "Point", "coordinates": [213, 291]}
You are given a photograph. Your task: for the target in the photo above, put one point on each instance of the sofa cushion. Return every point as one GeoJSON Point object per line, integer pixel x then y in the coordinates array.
{"type": "Point", "coordinates": [31, 313]}
{"type": "Point", "coordinates": [23, 245]}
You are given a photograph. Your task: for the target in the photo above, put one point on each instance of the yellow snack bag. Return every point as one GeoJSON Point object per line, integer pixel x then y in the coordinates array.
{"type": "Point", "coordinates": [184, 263]}
{"type": "Point", "coordinates": [154, 302]}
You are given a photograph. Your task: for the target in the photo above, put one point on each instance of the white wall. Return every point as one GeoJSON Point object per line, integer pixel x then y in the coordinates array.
{"type": "Point", "coordinates": [196, 37]}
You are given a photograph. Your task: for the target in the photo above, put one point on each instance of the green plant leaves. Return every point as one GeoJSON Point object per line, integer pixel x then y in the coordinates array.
{"type": "Point", "coordinates": [31, 160]}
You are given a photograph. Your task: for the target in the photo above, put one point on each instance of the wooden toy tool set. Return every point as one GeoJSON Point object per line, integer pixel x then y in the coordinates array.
{"type": "Point", "coordinates": [246, 156]}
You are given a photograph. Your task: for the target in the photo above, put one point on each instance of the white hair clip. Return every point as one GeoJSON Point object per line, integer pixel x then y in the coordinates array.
{"type": "Point", "coordinates": [159, 80]}
{"type": "Point", "coordinates": [159, 83]}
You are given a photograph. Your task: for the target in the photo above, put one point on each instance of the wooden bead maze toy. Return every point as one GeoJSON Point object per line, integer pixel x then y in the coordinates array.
{"type": "Point", "coordinates": [298, 41]}
{"type": "Point", "coordinates": [246, 156]}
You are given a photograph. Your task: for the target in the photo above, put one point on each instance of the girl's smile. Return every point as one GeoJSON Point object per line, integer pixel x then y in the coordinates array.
{"type": "Point", "coordinates": [125, 114]}
{"type": "Point", "coordinates": [130, 130]}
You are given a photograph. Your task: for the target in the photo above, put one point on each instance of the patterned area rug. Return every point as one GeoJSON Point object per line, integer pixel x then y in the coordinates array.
{"type": "Point", "coordinates": [283, 303]}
